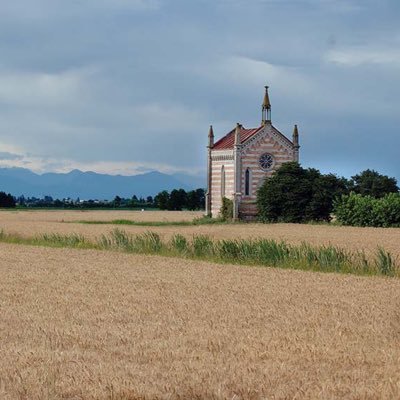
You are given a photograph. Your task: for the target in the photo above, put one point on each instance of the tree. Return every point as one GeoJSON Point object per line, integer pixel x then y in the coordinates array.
{"type": "Point", "coordinates": [7, 200]}
{"type": "Point", "coordinates": [285, 196]}
{"type": "Point", "coordinates": [325, 189]}
{"type": "Point", "coordinates": [117, 201]}
{"type": "Point", "coordinates": [295, 194]}
{"type": "Point", "coordinates": [195, 199]}
{"type": "Point", "coordinates": [372, 183]}
{"type": "Point", "coordinates": [177, 199]}
{"type": "Point", "coordinates": [149, 200]}
{"type": "Point", "coordinates": [162, 200]}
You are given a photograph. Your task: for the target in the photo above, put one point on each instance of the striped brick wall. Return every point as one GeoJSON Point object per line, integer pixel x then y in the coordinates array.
{"type": "Point", "coordinates": [216, 179]}
{"type": "Point", "coordinates": [250, 160]}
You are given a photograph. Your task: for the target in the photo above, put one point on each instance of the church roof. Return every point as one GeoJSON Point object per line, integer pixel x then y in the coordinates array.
{"type": "Point", "coordinates": [228, 140]}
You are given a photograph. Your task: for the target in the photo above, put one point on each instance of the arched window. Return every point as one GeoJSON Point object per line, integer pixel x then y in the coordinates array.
{"type": "Point", "coordinates": [247, 183]}
{"type": "Point", "coordinates": [223, 181]}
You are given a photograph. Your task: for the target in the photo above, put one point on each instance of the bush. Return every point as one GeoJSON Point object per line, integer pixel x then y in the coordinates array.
{"type": "Point", "coordinates": [357, 210]}
{"type": "Point", "coordinates": [226, 209]}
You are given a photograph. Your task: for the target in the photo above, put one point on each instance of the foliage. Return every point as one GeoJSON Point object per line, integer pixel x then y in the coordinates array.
{"type": "Point", "coordinates": [295, 194]}
{"type": "Point", "coordinates": [195, 199]}
{"type": "Point", "coordinates": [162, 200]}
{"type": "Point", "coordinates": [357, 210]}
{"type": "Point", "coordinates": [6, 200]}
{"type": "Point", "coordinates": [117, 202]}
{"type": "Point", "coordinates": [371, 183]}
{"type": "Point", "coordinates": [263, 252]}
{"type": "Point", "coordinates": [226, 211]}
{"type": "Point", "coordinates": [179, 199]}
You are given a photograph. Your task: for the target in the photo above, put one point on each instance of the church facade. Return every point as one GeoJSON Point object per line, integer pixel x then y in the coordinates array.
{"type": "Point", "coordinates": [240, 161]}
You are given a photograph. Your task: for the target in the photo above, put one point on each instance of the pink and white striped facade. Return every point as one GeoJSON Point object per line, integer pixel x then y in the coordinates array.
{"type": "Point", "coordinates": [234, 169]}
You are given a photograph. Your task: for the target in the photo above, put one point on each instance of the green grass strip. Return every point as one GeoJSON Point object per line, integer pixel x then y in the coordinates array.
{"type": "Point", "coordinates": [197, 221]}
{"type": "Point", "coordinates": [260, 252]}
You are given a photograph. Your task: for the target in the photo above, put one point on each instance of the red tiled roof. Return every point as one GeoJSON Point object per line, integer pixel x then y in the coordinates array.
{"type": "Point", "coordinates": [228, 140]}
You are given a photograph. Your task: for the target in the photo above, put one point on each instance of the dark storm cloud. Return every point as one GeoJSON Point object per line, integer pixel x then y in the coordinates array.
{"type": "Point", "coordinates": [119, 81]}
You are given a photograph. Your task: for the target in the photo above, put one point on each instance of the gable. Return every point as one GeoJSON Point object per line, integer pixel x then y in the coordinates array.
{"type": "Point", "coordinates": [248, 136]}
{"type": "Point", "coordinates": [268, 134]}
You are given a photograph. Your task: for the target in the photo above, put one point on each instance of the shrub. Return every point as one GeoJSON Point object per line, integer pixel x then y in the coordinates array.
{"type": "Point", "coordinates": [357, 210]}
{"type": "Point", "coordinates": [226, 209]}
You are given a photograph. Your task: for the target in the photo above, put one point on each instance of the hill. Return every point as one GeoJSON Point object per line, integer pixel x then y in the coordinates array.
{"type": "Point", "coordinates": [90, 185]}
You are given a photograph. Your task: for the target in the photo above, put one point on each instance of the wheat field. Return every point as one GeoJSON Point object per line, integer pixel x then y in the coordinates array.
{"type": "Point", "coordinates": [29, 223]}
{"type": "Point", "coordinates": [90, 324]}
{"type": "Point", "coordinates": [87, 324]}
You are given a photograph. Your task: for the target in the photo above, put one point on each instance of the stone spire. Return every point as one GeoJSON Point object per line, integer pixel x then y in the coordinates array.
{"type": "Point", "coordinates": [266, 108]}
{"type": "Point", "coordinates": [295, 136]}
{"type": "Point", "coordinates": [295, 141]}
{"type": "Point", "coordinates": [237, 134]}
{"type": "Point", "coordinates": [211, 137]}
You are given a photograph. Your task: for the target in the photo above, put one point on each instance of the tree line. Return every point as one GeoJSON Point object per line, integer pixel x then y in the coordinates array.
{"type": "Point", "coordinates": [177, 199]}
{"type": "Point", "coordinates": [296, 194]}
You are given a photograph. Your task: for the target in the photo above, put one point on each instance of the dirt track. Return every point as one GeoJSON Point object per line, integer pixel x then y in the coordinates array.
{"type": "Point", "coordinates": [80, 324]}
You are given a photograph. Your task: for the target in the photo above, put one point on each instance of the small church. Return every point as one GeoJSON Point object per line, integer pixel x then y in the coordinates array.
{"type": "Point", "coordinates": [240, 161]}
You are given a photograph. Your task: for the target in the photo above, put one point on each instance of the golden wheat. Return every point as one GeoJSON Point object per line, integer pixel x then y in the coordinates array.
{"type": "Point", "coordinates": [86, 324]}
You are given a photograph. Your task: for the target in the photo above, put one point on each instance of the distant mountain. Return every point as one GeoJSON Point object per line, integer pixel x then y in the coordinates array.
{"type": "Point", "coordinates": [190, 180]}
{"type": "Point", "coordinates": [90, 185]}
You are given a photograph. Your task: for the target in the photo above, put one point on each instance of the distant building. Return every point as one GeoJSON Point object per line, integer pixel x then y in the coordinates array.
{"type": "Point", "coordinates": [239, 162]}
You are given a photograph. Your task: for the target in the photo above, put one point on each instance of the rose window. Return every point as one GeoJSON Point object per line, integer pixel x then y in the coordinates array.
{"type": "Point", "coordinates": [266, 161]}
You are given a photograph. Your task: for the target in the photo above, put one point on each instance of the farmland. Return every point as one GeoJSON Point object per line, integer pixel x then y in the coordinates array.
{"type": "Point", "coordinates": [29, 223]}
{"type": "Point", "coordinates": [65, 222]}
{"type": "Point", "coordinates": [90, 324]}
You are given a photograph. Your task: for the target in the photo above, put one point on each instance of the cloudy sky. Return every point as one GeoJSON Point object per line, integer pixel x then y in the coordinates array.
{"type": "Point", "coordinates": [126, 86]}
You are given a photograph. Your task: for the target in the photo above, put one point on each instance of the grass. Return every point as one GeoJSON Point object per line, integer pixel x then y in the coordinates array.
{"type": "Point", "coordinates": [261, 252]}
{"type": "Point", "coordinates": [194, 222]}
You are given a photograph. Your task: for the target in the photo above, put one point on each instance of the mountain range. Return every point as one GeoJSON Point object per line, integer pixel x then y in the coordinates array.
{"type": "Point", "coordinates": [91, 185]}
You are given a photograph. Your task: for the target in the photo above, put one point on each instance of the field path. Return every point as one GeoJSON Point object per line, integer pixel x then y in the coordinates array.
{"type": "Point", "coordinates": [85, 324]}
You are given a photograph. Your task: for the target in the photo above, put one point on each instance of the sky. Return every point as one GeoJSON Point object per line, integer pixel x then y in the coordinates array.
{"type": "Point", "coordinates": [130, 86]}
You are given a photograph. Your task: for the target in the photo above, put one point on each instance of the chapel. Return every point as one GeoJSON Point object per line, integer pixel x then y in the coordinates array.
{"type": "Point", "coordinates": [240, 161]}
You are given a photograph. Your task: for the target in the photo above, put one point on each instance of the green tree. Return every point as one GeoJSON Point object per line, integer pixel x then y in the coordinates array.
{"type": "Point", "coordinates": [196, 199]}
{"type": "Point", "coordinates": [162, 200]}
{"type": "Point", "coordinates": [325, 189]}
{"type": "Point", "coordinates": [177, 199]}
{"type": "Point", "coordinates": [372, 183]}
{"type": "Point", "coordinates": [295, 194]}
{"type": "Point", "coordinates": [117, 201]}
{"type": "Point", "coordinates": [7, 200]}
{"type": "Point", "coordinates": [285, 196]}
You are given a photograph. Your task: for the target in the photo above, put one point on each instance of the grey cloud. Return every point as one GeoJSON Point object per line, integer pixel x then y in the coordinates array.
{"type": "Point", "coordinates": [140, 81]}
{"type": "Point", "coordinates": [5, 155]}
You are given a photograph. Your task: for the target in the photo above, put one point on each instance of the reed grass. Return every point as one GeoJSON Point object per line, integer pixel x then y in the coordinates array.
{"type": "Point", "coordinates": [261, 252]}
